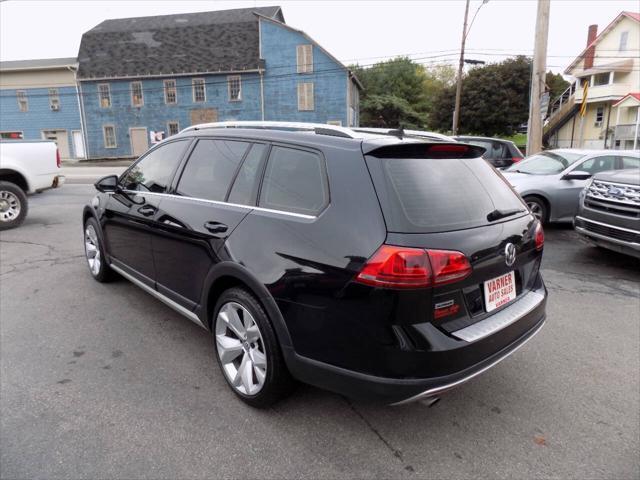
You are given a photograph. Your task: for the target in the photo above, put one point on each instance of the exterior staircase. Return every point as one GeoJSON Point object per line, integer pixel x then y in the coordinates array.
{"type": "Point", "coordinates": [562, 109]}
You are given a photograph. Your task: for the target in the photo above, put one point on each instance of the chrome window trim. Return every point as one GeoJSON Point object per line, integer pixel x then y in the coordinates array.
{"type": "Point", "coordinates": [166, 300]}
{"type": "Point", "coordinates": [228, 204]}
{"type": "Point", "coordinates": [607, 225]}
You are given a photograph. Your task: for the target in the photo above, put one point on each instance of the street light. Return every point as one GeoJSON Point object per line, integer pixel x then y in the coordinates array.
{"type": "Point", "coordinates": [465, 32]}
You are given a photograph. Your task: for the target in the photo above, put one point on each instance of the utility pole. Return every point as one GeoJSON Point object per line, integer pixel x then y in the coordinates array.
{"type": "Point", "coordinates": [538, 73]}
{"type": "Point", "coordinates": [456, 111]}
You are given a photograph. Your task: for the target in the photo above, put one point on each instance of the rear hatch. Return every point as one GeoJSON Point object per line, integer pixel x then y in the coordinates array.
{"type": "Point", "coordinates": [444, 198]}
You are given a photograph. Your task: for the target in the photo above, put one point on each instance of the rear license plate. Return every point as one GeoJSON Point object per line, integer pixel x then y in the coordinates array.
{"type": "Point", "coordinates": [499, 291]}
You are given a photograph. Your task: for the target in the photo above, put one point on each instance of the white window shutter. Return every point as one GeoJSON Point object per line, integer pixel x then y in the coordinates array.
{"type": "Point", "coordinates": [300, 58]}
{"type": "Point", "coordinates": [309, 97]}
{"type": "Point", "coordinates": [301, 96]}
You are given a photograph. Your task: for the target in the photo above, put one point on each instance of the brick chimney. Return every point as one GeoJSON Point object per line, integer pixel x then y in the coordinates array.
{"type": "Point", "coordinates": [591, 36]}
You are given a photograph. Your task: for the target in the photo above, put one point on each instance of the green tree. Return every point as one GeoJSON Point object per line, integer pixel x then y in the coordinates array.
{"type": "Point", "coordinates": [495, 99]}
{"type": "Point", "coordinates": [394, 94]}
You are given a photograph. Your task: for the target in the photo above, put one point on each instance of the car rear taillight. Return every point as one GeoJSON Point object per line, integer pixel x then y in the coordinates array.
{"type": "Point", "coordinates": [539, 236]}
{"type": "Point", "coordinates": [58, 158]}
{"type": "Point", "coordinates": [403, 267]}
{"type": "Point", "coordinates": [516, 159]}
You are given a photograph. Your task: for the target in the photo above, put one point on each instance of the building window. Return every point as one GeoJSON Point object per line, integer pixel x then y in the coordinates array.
{"type": "Point", "coordinates": [599, 116]}
{"type": "Point", "coordinates": [235, 88]}
{"type": "Point", "coordinates": [170, 92]}
{"type": "Point", "coordinates": [336, 123]}
{"type": "Point", "coordinates": [305, 96]}
{"type": "Point", "coordinates": [624, 37]}
{"type": "Point", "coordinates": [109, 133]}
{"type": "Point", "coordinates": [199, 94]}
{"type": "Point", "coordinates": [304, 58]}
{"type": "Point", "coordinates": [54, 99]}
{"type": "Point", "coordinates": [601, 79]}
{"type": "Point", "coordinates": [136, 94]}
{"type": "Point", "coordinates": [23, 102]}
{"type": "Point", "coordinates": [104, 95]}
{"type": "Point", "coordinates": [15, 135]}
{"type": "Point", "coordinates": [173, 128]}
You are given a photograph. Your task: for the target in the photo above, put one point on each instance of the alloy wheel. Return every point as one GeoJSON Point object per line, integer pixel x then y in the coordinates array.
{"type": "Point", "coordinates": [536, 209]}
{"type": "Point", "coordinates": [240, 348]}
{"type": "Point", "coordinates": [9, 206]}
{"type": "Point", "coordinates": [92, 249]}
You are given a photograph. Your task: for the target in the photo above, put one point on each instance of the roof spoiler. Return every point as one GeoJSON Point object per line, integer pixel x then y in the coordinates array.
{"type": "Point", "coordinates": [425, 150]}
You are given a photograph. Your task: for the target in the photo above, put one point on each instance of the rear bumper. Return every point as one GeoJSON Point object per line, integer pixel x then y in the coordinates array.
{"type": "Point", "coordinates": [398, 391]}
{"type": "Point", "coordinates": [622, 240]}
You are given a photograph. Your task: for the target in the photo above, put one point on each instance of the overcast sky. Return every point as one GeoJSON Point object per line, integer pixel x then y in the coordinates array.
{"type": "Point", "coordinates": [353, 31]}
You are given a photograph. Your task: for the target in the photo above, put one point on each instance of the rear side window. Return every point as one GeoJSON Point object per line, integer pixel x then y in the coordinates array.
{"type": "Point", "coordinates": [492, 149]}
{"type": "Point", "coordinates": [630, 162]}
{"type": "Point", "coordinates": [245, 186]}
{"type": "Point", "coordinates": [154, 171]}
{"type": "Point", "coordinates": [211, 168]}
{"type": "Point", "coordinates": [294, 181]}
{"type": "Point", "coordinates": [422, 195]}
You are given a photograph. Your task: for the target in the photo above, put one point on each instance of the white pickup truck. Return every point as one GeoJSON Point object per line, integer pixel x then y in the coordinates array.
{"type": "Point", "coordinates": [26, 166]}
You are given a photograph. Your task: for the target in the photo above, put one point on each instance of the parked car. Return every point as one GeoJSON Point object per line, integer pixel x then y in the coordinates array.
{"type": "Point", "coordinates": [26, 166]}
{"type": "Point", "coordinates": [501, 153]}
{"type": "Point", "coordinates": [609, 214]}
{"type": "Point", "coordinates": [381, 268]}
{"type": "Point", "coordinates": [551, 181]}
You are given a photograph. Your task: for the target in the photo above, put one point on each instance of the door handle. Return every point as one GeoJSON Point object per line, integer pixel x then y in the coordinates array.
{"type": "Point", "coordinates": [147, 210]}
{"type": "Point", "coordinates": [216, 227]}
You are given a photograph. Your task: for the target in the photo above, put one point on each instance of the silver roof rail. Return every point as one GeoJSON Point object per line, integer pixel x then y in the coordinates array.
{"type": "Point", "coordinates": [319, 128]}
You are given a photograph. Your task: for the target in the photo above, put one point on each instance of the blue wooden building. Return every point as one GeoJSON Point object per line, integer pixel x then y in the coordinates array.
{"type": "Point", "coordinates": [164, 73]}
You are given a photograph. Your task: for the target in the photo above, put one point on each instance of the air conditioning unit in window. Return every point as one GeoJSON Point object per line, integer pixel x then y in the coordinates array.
{"type": "Point", "coordinates": [598, 124]}
{"type": "Point", "coordinates": [55, 107]}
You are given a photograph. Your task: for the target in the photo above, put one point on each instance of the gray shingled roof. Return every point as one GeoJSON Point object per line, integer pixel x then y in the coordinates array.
{"type": "Point", "coordinates": [225, 40]}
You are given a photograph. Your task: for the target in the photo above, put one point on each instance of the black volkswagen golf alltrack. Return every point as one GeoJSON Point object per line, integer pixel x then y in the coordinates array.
{"type": "Point", "coordinates": [381, 267]}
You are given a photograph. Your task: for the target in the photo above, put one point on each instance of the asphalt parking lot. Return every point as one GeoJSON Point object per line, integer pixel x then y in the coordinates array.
{"type": "Point", "coordinates": [103, 381]}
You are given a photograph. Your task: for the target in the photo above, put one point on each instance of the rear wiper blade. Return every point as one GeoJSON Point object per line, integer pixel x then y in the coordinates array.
{"type": "Point", "coordinates": [498, 214]}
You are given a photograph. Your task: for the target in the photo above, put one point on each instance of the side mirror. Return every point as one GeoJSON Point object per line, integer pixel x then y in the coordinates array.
{"type": "Point", "coordinates": [577, 175]}
{"type": "Point", "coordinates": [107, 184]}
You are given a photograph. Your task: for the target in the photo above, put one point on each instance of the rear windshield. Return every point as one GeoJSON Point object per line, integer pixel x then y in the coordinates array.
{"type": "Point", "coordinates": [421, 195]}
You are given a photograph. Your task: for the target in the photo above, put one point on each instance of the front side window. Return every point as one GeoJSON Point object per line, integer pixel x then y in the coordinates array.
{"type": "Point", "coordinates": [211, 168]}
{"type": "Point", "coordinates": [173, 128]}
{"type": "Point", "coordinates": [598, 164]}
{"type": "Point", "coordinates": [305, 96]}
{"type": "Point", "coordinates": [136, 94]}
{"type": "Point", "coordinates": [294, 181]}
{"type": "Point", "coordinates": [545, 163]}
{"type": "Point", "coordinates": [152, 173]}
{"type": "Point", "coordinates": [304, 58]}
{"type": "Point", "coordinates": [109, 133]}
{"type": "Point", "coordinates": [199, 94]}
{"type": "Point", "coordinates": [104, 95]}
{"type": "Point", "coordinates": [235, 88]}
{"type": "Point", "coordinates": [54, 99]}
{"type": "Point", "coordinates": [23, 102]}
{"type": "Point", "coordinates": [170, 92]}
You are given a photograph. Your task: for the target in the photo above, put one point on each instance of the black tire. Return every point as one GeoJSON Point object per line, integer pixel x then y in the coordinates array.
{"type": "Point", "coordinates": [278, 382]}
{"type": "Point", "coordinates": [103, 272]}
{"type": "Point", "coordinates": [13, 205]}
{"type": "Point", "coordinates": [538, 207]}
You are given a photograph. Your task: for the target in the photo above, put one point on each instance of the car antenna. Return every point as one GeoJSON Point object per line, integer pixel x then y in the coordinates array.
{"type": "Point", "coordinates": [397, 132]}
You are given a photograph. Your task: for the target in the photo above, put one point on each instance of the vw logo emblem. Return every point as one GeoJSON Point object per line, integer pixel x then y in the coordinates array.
{"type": "Point", "coordinates": [509, 254]}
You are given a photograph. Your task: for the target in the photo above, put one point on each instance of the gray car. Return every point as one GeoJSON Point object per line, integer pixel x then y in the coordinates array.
{"type": "Point", "coordinates": [550, 182]}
